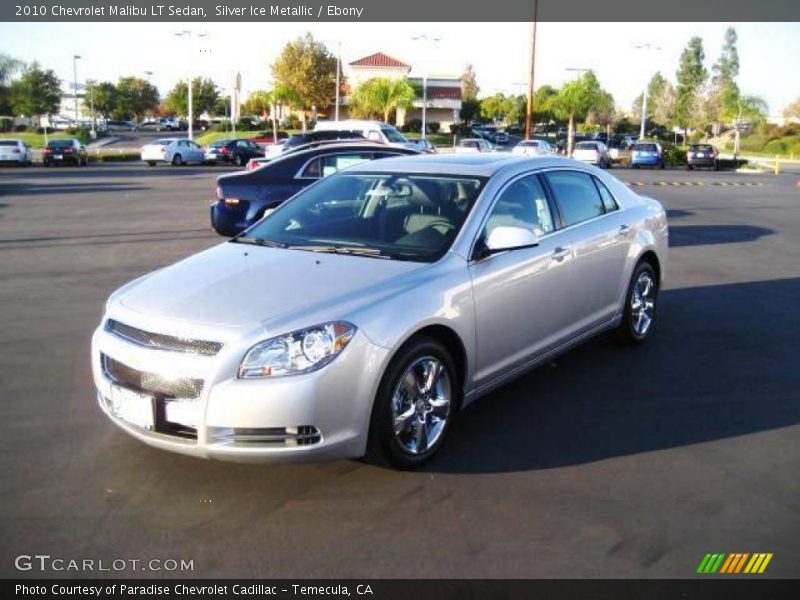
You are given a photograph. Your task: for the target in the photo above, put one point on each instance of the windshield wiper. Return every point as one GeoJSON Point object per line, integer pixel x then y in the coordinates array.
{"type": "Point", "coordinates": [258, 242]}
{"type": "Point", "coordinates": [353, 250]}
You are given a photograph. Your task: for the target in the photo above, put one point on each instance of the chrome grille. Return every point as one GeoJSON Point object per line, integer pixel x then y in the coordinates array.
{"type": "Point", "coordinates": [160, 341]}
{"type": "Point", "coordinates": [152, 383]}
{"type": "Point", "coordinates": [301, 435]}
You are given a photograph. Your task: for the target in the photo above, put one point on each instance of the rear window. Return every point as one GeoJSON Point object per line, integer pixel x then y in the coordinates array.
{"type": "Point", "coordinates": [7, 143]}
{"type": "Point", "coordinates": [60, 143]}
{"type": "Point", "coordinates": [162, 142]}
{"type": "Point", "coordinates": [586, 146]}
{"type": "Point", "coordinates": [700, 148]}
{"type": "Point", "coordinates": [646, 147]}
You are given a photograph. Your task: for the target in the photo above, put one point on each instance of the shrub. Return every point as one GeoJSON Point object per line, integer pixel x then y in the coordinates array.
{"type": "Point", "coordinates": [20, 128]}
{"type": "Point", "coordinates": [434, 126]}
{"type": "Point", "coordinates": [674, 156]}
{"type": "Point", "coordinates": [244, 124]}
{"type": "Point", "coordinates": [293, 122]}
{"type": "Point", "coordinates": [414, 126]}
{"type": "Point", "coordinates": [459, 129]}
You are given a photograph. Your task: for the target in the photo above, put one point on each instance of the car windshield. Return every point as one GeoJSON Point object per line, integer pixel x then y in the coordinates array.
{"type": "Point", "coordinates": [220, 143]}
{"type": "Point", "coordinates": [646, 147]}
{"type": "Point", "coordinates": [59, 143]}
{"type": "Point", "coordinates": [162, 142]}
{"type": "Point", "coordinates": [585, 146]}
{"type": "Point", "coordinates": [381, 215]}
{"type": "Point", "coordinates": [393, 135]}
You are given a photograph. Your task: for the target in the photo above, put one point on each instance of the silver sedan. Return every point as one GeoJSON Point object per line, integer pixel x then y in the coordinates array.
{"type": "Point", "coordinates": [360, 316]}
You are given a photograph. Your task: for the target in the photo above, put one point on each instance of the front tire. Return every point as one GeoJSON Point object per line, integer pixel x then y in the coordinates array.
{"type": "Point", "coordinates": [641, 300]}
{"type": "Point", "coordinates": [177, 160]}
{"type": "Point", "coordinates": [238, 160]}
{"type": "Point", "coordinates": [414, 407]}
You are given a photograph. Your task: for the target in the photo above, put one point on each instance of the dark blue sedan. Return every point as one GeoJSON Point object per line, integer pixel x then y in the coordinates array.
{"type": "Point", "coordinates": [243, 198]}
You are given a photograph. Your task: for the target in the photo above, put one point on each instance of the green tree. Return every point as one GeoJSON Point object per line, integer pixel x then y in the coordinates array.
{"type": "Point", "coordinates": [204, 96]}
{"type": "Point", "coordinates": [691, 76]}
{"type": "Point", "coordinates": [660, 101]}
{"type": "Point", "coordinates": [575, 100]}
{"type": "Point", "coordinates": [502, 107]}
{"type": "Point", "coordinates": [105, 98]}
{"type": "Point", "coordinates": [470, 110]}
{"type": "Point", "coordinates": [36, 93]}
{"type": "Point", "coordinates": [381, 96]}
{"type": "Point", "coordinates": [543, 99]}
{"type": "Point", "coordinates": [222, 107]}
{"type": "Point", "coordinates": [308, 69]}
{"type": "Point", "coordinates": [259, 102]}
{"type": "Point", "coordinates": [603, 111]}
{"type": "Point", "coordinates": [135, 98]}
{"type": "Point", "coordinates": [469, 85]}
{"type": "Point", "coordinates": [725, 91]}
{"type": "Point", "coordinates": [9, 67]}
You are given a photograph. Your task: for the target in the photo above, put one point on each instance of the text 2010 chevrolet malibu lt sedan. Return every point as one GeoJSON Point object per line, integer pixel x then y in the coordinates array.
{"type": "Point", "coordinates": [361, 315]}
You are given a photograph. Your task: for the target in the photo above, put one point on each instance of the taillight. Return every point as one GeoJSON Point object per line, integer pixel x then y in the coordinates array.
{"type": "Point", "coordinates": [48, 150]}
{"type": "Point", "coordinates": [224, 150]}
{"type": "Point", "coordinates": [711, 155]}
{"type": "Point", "coordinates": [16, 151]}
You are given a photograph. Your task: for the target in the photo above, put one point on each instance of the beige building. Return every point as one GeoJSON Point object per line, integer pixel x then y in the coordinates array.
{"type": "Point", "coordinates": [443, 92]}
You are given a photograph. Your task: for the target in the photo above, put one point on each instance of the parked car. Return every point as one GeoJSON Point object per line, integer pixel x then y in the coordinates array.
{"type": "Point", "coordinates": [65, 152]}
{"type": "Point", "coordinates": [702, 155]}
{"type": "Point", "coordinates": [376, 131]}
{"type": "Point", "coordinates": [617, 147]}
{"type": "Point", "coordinates": [533, 148]}
{"type": "Point", "coordinates": [473, 146]}
{"type": "Point", "coordinates": [301, 139]}
{"type": "Point", "coordinates": [175, 151]}
{"type": "Point", "coordinates": [62, 123]}
{"type": "Point", "coordinates": [500, 138]}
{"type": "Point", "coordinates": [592, 153]}
{"type": "Point", "coordinates": [233, 151]}
{"type": "Point", "coordinates": [243, 198]}
{"type": "Point", "coordinates": [425, 145]}
{"type": "Point", "coordinates": [362, 315]}
{"type": "Point", "coordinates": [647, 154]}
{"type": "Point", "coordinates": [159, 125]}
{"type": "Point", "coordinates": [268, 137]}
{"type": "Point", "coordinates": [15, 152]}
{"type": "Point", "coordinates": [120, 126]}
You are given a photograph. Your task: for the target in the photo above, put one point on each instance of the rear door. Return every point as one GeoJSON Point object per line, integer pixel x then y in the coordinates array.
{"type": "Point", "coordinates": [601, 237]}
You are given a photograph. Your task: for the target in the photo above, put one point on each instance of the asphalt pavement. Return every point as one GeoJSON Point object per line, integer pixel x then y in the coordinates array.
{"type": "Point", "coordinates": [608, 462]}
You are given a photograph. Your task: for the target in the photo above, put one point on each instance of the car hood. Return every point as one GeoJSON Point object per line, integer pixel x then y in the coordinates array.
{"type": "Point", "coordinates": [239, 284]}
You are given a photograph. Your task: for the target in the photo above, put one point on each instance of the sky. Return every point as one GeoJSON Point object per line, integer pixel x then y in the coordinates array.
{"type": "Point", "coordinates": [499, 52]}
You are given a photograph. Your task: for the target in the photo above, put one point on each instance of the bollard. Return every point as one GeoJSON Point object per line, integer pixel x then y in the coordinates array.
{"type": "Point", "coordinates": [777, 164]}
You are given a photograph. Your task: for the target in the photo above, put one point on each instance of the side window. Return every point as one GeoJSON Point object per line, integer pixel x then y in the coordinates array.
{"type": "Point", "coordinates": [576, 195]}
{"type": "Point", "coordinates": [375, 136]}
{"type": "Point", "coordinates": [608, 200]}
{"type": "Point", "coordinates": [328, 165]}
{"type": "Point", "coordinates": [522, 204]}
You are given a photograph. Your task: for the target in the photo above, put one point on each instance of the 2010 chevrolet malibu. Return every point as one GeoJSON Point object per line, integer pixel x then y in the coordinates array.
{"type": "Point", "coordinates": [362, 314]}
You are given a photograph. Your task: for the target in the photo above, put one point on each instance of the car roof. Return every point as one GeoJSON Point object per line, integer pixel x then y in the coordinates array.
{"type": "Point", "coordinates": [482, 165]}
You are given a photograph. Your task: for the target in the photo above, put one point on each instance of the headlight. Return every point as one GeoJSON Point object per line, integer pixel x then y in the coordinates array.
{"type": "Point", "coordinates": [297, 352]}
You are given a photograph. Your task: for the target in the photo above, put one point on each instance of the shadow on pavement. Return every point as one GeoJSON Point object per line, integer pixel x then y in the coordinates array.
{"type": "Point", "coordinates": [708, 235]}
{"type": "Point", "coordinates": [38, 189]}
{"type": "Point", "coordinates": [720, 365]}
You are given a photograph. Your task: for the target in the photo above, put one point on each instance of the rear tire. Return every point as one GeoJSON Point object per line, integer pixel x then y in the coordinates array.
{"type": "Point", "coordinates": [641, 303]}
{"type": "Point", "coordinates": [151, 163]}
{"type": "Point", "coordinates": [409, 424]}
{"type": "Point", "coordinates": [238, 161]}
{"type": "Point", "coordinates": [177, 161]}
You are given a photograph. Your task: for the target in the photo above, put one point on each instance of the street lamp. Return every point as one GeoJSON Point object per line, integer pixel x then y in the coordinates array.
{"type": "Point", "coordinates": [431, 40]}
{"type": "Point", "coordinates": [188, 34]}
{"type": "Point", "coordinates": [644, 46]}
{"type": "Point", "coordinates": [75, 59]}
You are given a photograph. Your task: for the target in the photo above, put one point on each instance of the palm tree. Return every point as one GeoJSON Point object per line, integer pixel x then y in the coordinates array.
{"type": "Point", "coordinates": [382, 96]}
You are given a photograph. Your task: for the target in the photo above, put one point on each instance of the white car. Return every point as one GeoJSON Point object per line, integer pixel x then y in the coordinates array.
{"type": "Point", "coordinates": [473, 146]}
{"type": "Point", "coordinates": [592, 153]}
{"type": "Point", "coordinates": [176, 151]}
{"type": "Point", "coordinates": [15, 151]}
{"type": "Point", "coordinates": [533, 148]}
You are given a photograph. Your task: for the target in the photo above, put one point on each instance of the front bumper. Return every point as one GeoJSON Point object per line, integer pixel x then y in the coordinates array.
{"type": "Point", "coordinates": [323, 414]}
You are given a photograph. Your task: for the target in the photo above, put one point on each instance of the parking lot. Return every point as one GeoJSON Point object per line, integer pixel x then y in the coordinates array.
{"type": "Point", "coordinates": [608, 462]}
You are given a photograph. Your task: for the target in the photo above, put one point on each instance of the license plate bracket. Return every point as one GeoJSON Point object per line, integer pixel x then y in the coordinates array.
{"type": "Point", "coordinates": [133, 407]}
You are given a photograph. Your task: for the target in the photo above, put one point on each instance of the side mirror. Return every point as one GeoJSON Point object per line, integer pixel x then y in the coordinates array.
{"type": "Point", "coordinates": [510, 238]}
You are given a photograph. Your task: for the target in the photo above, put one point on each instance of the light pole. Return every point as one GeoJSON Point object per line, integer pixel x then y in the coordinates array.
{"type": "Point", "coordinates": [644, 46]}
{"type": "Point", "coordinates": [91, 100]}
{"type": "Point", "coordinates": [75, 59]}
{"type": "Point", "coordinates": [529, 109]}
{"type": "Point", "coordinates": [338, 77]}
{"type": "Point", "coordinates": [431, 40]}
{"type": "Point", "coordinates": [188, 34]}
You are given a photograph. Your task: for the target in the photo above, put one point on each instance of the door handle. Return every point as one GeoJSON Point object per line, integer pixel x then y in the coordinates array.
{"type": "Point", "coordinates": [623, 230]}
{"type": "Point", "coordinates": [560, 253]}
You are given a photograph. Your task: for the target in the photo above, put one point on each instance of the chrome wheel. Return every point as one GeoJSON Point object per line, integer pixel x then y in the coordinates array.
{"type": "Point", "coordinates": [421, 405]}
{"type": "Point", "coordinates": [643, 303]}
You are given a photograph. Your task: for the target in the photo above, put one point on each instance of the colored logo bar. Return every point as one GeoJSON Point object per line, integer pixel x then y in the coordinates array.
{"type": "Point", "coordinates": [738, 562]}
